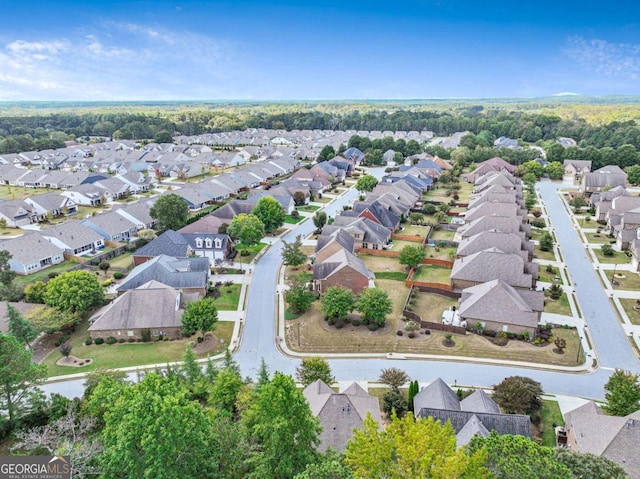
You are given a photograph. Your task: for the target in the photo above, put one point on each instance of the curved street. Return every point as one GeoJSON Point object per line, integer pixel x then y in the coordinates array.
{"type": "Point", "coordinates": [259, 338]}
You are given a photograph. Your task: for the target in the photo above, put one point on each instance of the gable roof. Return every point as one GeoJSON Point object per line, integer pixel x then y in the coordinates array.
{"type": "Point", "coordinates": [169, 243]}
{"type": "Point", "coordinates": [175, 272]}
{"type": "Point", "coordinates": [339, 236]}
{"type": "Point", "coordinates": [29, 248]}
{"type": "Point", "coordinates": [336, 262]}
{"type": "Point", "coordinates": [479, 401]}
{"type": "Point", "coordinates": [513, 424]}
{"type": "Point", "coordinates": [492, 264]}
{"type": "Point", "coordinates": [472, 428]}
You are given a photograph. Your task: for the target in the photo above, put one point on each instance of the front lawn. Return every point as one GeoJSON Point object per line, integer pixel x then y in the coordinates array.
{"type": "Point", "coordinates": [616, 258]}
{"type": "Point", "coordinates": [627, 280]}
{"type": "Point", "coordinates": [629, 306]}
{"type": "Point", "coordinates": [432, 274]}
{"type": "Point", "coordinates": [128, 354]}
{"type": "Point", "coordinates": [293, 221]}
{"type": "Point", "coordinates": [598, 238]}
{"type": "Point", "coordinates": [544, 255]}
{"type": "Point", "coordinates": [229, 297]}
{"type": "Point", "coordinates": [308, 208]}
{"type": "Point", "coordinates": [559, 306]}
{"type": "Point", "coordinates": [253, 252]}
{"type": "Point", "coordinates": [549, 277]}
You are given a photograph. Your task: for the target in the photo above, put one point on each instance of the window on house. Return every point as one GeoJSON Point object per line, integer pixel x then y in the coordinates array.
{"type": "Point", "coordinates": [199, 242]}
{"type": "Point", "coordinates": [376, 246]}
{"type": "Point", "coordinates": [208, 242]}
{"type": "Point", "coordinates": [365, 245]}
{"type": "Point", "coordinates": [130, 333]}
{"type": "Point", "coordinates": [218, 243]}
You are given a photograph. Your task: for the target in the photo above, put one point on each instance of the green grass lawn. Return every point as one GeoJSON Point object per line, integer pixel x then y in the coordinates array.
{"type": "Point", "coordinates": [546, 255]}
{"type": "Point", "coordinates": [127, 354]}
{"type": "Point", "coordinates": [123, 261]}
{"type": "Point", "coordinates": [399, 244]}
{"type": "Point", "coordinates": [432, 274]}
{"type": "Point", "coordinates": [598, 238]}
{"type": "Point", "coordinates": [414, 230]}
{"type": "Point", "coordinates": [395, 275]}
{"type": "Point", "coordinates": [324, 199]}
{"type": "Point", "coordinates": [442, 235]}
{"type": "Point", "coordinates": [229, 297]}
{"type": "Point", "coordinates": [560, 306]}
{"type": "Point", "coordinates": [43, 275]}
{"type": "Point", "coordinates": [308, 208]}
{"type": "Point", "coordinates": [293, 221]}
{"type": "Point", "coordinates": [253, 251]}
{"type": "Point", "coordinates": [626, 280]}
{"type": "Point", "coordinates": [628, 305]}
{"type": "Point", "coordinates": [616, 258]}
{"type": "Point", "coordinates": [551, 415]}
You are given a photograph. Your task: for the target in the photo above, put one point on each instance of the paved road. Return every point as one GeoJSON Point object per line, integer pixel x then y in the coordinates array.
{"type": "Point", "coordinates": [259, 334]}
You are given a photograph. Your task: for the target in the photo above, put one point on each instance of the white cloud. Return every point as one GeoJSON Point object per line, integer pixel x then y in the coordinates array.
{"type": "Point", "coordinates": [612, 60]}
{"type": "Point", "coordinates": [122, 61]}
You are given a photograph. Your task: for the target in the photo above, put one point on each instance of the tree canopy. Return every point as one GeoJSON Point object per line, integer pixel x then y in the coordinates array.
{"type": "Point", "coordinates": [292, 254]}
{"type": "Point", "coordinates": [74, 292]}
{"type": "Point", "coordinates": [518, 395]}
{"type": "Point", "coordinates": [337, 302]}
{"type": "Point", "coordinates": [366, 183]}
{"type": "Point", "coordinates": [411, 256]}
{"type": "Point", "coordinates": [247, 228]}
{"type": "Point", "coordinates": [170, 212]}
{"type": "Point", "coordinates": [200, 315]}
{"type": "Point", "coordinates": [19, 328]}
{"type": "Point", "coordinates": [270, 212]}
{"type": "Point", "coordinates": [622, 393]}
{"type": "Point", "coordinates": [313, 369]}
{"type": "Point", "coordinates": [6, 273]}
{"type": "Point", "coordinates": [374, 305]}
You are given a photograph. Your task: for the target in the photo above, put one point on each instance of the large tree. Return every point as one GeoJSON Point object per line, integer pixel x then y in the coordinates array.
{"type": "Point", "coordinates": [366, 183]}
{"type": "Point", "coordinates": [517, 457]}
{"type": "Point", "coordinates": [270, 212]}
{"type": "Point", "coordinates": [18, 374]}
{"type": "Point", "coordinates": [154, 430]}
{"type": "Point", "coordinates": [298, 295]}
{"type": "Point", "coordinates": [75, 292]}
{"type": "Point", "coordinates": [313, 369]}
{"type": "Point", "coordinates": [583, 466]}
{"type": "Point", "coordinates": [622, 393]}
{"type": "Point", "coordinates": [170, 212]}
{"type": "Point", "coordinates": [411, 256]}
{"type": "Point", "coordinates": [19, 328]}
{"type": "Point", "coordinates": [337, 302]}
{"type": "Point", "coordinates": [50, 320]}
{"type": "Point", "coordinates": [6, 273]}
{"type": "Point", "coordinates": [422, 448]}
{"type": "Point", "coordinates": [319, 220]}
{"type": "Point", "coordinates": [393, 377]}
{"type": "Point", "coordinates": [247, 228]}
{"type": "Point", "coordinates": [200, 315]}
{"type": "Point", "coordinates": [282, 429]}
{"type": "Point", "coordinates": [518, 395]}
{"type": "Point", "coordinates": [374, 304]}
{"type": "Point", "coordinates": [292, 254]}
{"type": "Point", "coordinates": [555, 170]}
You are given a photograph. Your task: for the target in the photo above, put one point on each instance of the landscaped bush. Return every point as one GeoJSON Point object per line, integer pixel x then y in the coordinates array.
{"type": "Point", "coordinates": [412, 335]}
{"type": "Point", "coordinates": [607, 250]}
{"type": "Point", "coordinates": [200, 339]}
{"type": "Point", "coordinates": [538, 223]}
{"type": "Point", "coordinates": [62, 339]}
{"type": "Point", "coordinates": [145, 335]}
{"type": "Point", "coordinates": [106, 282]}
{"type": "Point", "coordinates": [52, 275]}
{"type": "Point", "coordinates": [131, 340]}
{"type": "Point", "coordinates": [295, 214]}
{"type": "Point", "coordinates": [98, 341]}
{"type": "Point", "coordinates": [88, 341]}
{"type": "Point", "coordinates": [373, 327]}
{"type": "Point", "coordinates": [121, 340]}
{"type": "Point", "coordinates": [111, 340]}
{"type": "Point", "coordinates": [355, 322]}
{"type": "Point", "coordinates": [399, 332]}
{"type": "Point", "coordinates": [118, 275]}
{"type": "Point", "coordinates": [244, 252]}
{"type": "Point", "coordinates": [339, 324]}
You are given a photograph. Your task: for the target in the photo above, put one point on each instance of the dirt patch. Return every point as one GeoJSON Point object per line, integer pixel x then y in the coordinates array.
{"type": "Point", "coordinates": [73, 361]}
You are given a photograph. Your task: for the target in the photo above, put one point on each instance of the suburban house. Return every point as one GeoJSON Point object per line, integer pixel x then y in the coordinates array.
{"type": "Point", "coordinates": [15, 213]}
{"type": "Point", "coordinates": [519, 309]}
{"type": "Point", "coordinates": [153, 306]}
{"type": "Point", "coordinates": [340, 413]}
{"type": "Point", "coordinates": [491, 165]}
{"type": "Point", "coordinates": [574, 170]}
{"type": "Point", "coordinates": [112, 226]}
{"type": "Point", "coordinates": [73, 238]}
{"type": "Point", "coordinates": [367, 233]}
{"type": "Point", "coordinates": [31, 252]}
{"type": "Point", "coordinates": [504, 224]}
{"type": "Point", "coordinates": [342, 268]}
{"type": "Point", "coordinates": [329, 244]}
{"type": "Point", "coordinates": [601, 201]}
{"type": "Point", "coordinates": [505, 142]}
{"type": "Point", "coordinates": [627, 230]}
{"type": "Point", "coordinates": [618, 208]}
{"type": "Point", "coordinates": [589, 430]}
{"type": "Point", "coordinates": [191, 275]}
{"type": "Point", "coordinates": [376, 212]}
{"type": "Point", "coordinates": [493, 208]}
{"type": "Point", "coordinates": [171, 243]}
{"type": "Point", "coordinates": [286, 201]}
{"type": "Point", "coordinates": [354, 154]}
{"type": "Point", "coordinates": [206, 224]}
{"type": "Point", "coordinates": [503, 179]}
{"type": "Point", "coordinates": [138, 213]}
{"type": "Point", "coordinates": [49, 205]}
{"type": "Point", "coordinates": [85, 195]}
{"type": "Point", "coordinates": [508, 242]}
{"type": "Point", "coordinates": [235, 207]}
{"type": "Point", "coordinates": [476, 415]}
{"type": "Point", "coordinates": [602, 179]}
{"type": "Point", "coordinates": [493, 264]}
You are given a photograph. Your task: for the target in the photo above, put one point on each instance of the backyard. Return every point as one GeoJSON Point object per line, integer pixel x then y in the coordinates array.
{"type": "Point", "coordinates": [123, 355]}
{"type": "Point", "coordinates": [381, 264]}
{"type": "Point", "coordinates": [430, 306]}
{"type": "Point", "coordinates": [399, 244]}
{"type": "Point", "coordinates": [414, 230]}
{"type": "Point", "coordinates": [431, 274]}
{"type": "Point", "coordinates": [441, 234]}
{"type": "Point", "coordinates": [43, 275]}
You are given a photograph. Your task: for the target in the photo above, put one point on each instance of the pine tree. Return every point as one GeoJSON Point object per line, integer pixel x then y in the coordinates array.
{"type": "Point", "coordinates": [263, 375]}
{"type": "Point", "coordinates": [414, 389]}
{"type": "Point", "coordinates": [19, 328]}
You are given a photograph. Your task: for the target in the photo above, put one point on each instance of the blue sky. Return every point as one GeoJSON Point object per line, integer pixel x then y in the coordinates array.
{"type": "Point", "coordinates": [400, 49]}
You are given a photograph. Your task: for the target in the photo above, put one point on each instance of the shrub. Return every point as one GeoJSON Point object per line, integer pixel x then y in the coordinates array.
{"type": "Point", "coordinates": [399, 332]}
{"type": "Point", "coordinates": [339, 324]}
{"type": "Point", "coordinates": [121, 340]}
{"type": "Point", "coordinates": [607, 250]}
{"type": "Point", "coordinates": [244, 252]}
{"type": "Point", "coordinates": [411, 326]}
{"type": "Point", "coordinates": [538, 223]}
{"type": "Point", "coordinates": [88, 341]}
{"type": "Point", "coordinates": [111, 340]}
{"type": "Point", "coordinates": [98, 341]}
{"type": "Point", "coordinates": [355, 322]}
{"type": "Point", "coordinates": [106, 282]}
{"type": "Point", "coordinates": [295, 214]}
{"type": "Point", "coordinates": [118, 275]}
{"type": "Point", "coordinates": [412, 335]}
{"type": "Point", "coordinates": [131, 340]}
{"type": "Point", "coordinates": [166, 338]}
{"type": "Point", "coordinates": [145, 335]}
{"type": "Point", "coordinates": [62, 340]}
{"type": "Point", "coordinates": [373, 327]}
{"type": "Point", "coordinates": [52, 275]}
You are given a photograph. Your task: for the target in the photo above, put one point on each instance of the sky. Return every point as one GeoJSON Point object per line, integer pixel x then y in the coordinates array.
{"type": "Point", "coordinates": [285, 49]}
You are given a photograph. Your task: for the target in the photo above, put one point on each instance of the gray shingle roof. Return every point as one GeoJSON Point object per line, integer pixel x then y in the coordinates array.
{"type": "Point", "coordinates": [472, 428]}
{"type": "Point", "coordinates": [72, 233]}
{"type": "Point", "coordinates": [168, 243]}
{"type": "Point", "coordinates": [111, 223]}
{"type": "Point", "coordinates": [339, 236]}
{"type": "Point", "coordinates": [337, 261]}
{"type": "Point", "coordinates": [30, 248]}
{"type": "Point", "coordinates": [513, 424]}
{"type": "Point", "coordinates": [436, 395]}
{"type": "Point", "coordinates": [479, 401]}
{"type": "Point", "coordinates": [175, 272]}
{"type": "Point", "coordinates": [492, 264]}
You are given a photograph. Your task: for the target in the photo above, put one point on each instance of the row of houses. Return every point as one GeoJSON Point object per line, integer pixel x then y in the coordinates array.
{"type": "Point", "coordinates": [494, 269]}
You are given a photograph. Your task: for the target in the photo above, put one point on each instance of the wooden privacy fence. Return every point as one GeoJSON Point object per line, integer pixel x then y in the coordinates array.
{"type": "Point", "coordinates": [414, 238]}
